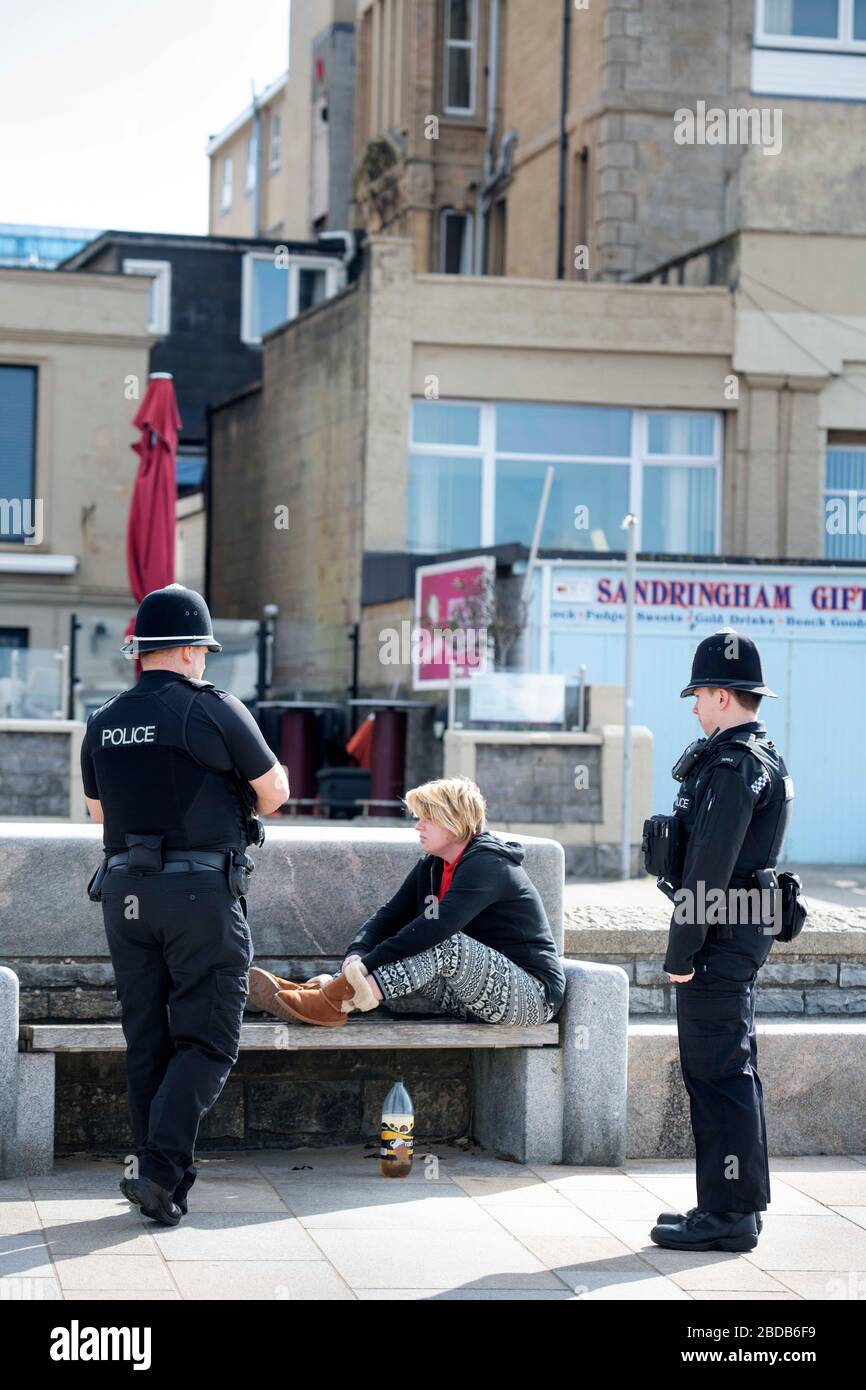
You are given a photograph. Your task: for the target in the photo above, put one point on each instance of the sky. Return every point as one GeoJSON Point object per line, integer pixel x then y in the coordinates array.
{"type": "Point", "coordinates": [106, 106]}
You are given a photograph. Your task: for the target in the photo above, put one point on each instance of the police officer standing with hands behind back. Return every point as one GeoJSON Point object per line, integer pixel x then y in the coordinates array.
{"type": "Point", "coordinates": [178, 772]}
{"type": "Point", "coordinates": [725, 835]}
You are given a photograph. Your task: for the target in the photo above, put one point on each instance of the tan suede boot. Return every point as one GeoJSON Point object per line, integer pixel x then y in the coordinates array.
{"type": "Point", "coordinates": [331, 1005]}
{"type": "Point", "coordinates": [264, 988]}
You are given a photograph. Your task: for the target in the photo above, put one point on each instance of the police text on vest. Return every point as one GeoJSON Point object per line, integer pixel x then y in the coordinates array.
{"type": "Point", "coordinates": [143, 733]}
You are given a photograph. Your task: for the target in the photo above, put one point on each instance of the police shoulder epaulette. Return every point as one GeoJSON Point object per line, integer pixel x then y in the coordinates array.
{"type": "Point", "coordinates": [110, 701]}
{"type": "Point", "coordinates": [751, 745]}
{"type": "Point", "coordinates": [212, 689]}
{"type": "Point", "coordinates": [733, 754]}
{"type": "Point", "coordinates": [198, 684]}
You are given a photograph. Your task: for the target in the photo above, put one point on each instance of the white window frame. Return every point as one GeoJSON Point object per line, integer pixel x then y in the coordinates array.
{"type": "Point", "coordinates": [468, 245]}
{"type": "Point", "coordinates": [275, 142]}
{"type": "Point", "coordinates": [853, 495]}
{"type": "Point", "coordinates": [335, 279]}
{"type": "Point", "coordinates": [252, 165]}
{"type": "Point", "coordinates": [472, 45]}
{"type": "Point", "coordinates": [637, 459]}
{"type": "Point", "coordinates": [842, 43]}
{"type": "Point", "coordinates": [643, 458]}
{"type": "Point", "coordinates": [160, 271]}
{"type": "Point", "coordinates": [227, 184]}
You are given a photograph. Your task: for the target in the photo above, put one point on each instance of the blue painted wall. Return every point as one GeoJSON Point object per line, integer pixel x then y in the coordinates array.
{"type": "Point", "coordinates": [817, 672]}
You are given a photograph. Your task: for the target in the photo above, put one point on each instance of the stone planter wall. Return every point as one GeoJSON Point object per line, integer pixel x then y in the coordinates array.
{"type": "Point", "coordinates": [822, 973]}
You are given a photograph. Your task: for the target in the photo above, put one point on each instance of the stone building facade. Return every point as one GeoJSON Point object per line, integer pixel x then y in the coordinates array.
{"type": "Point", "coordinates": [540, 168]}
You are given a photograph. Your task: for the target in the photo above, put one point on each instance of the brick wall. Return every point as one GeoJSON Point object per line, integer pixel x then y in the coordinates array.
{"type": "Point", "coordinates": [34, 773]}
{"type": "Point", "coordinates": [297, 443]}
{"type": "Point", "coordinates": [536, 783]}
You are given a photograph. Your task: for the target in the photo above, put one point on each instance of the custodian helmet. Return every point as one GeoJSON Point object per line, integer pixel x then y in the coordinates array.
{"type": "Point", "coordinates": [727, 664]}
{"type": "Point", "coordinates": [171, 617]}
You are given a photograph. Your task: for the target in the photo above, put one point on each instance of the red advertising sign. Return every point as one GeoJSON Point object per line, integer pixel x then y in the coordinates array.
{"type": "Point", "coordinates": [452, 602]}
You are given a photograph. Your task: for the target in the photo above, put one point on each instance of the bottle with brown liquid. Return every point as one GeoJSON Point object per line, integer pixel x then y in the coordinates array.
{"type": "Point", "coordinates": [398, 1124]}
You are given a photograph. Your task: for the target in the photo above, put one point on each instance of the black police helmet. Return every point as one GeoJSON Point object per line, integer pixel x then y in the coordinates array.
{"type": "Point", "coordinates": [171, 617]}
{"type": "Point", "coordinates": [739, 670]}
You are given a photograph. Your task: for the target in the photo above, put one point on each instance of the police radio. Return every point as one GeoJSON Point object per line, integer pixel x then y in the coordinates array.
{"type": "Point", "coordinates": [664, 837]}
{"type": "Point", "coordinates": [689, 759]}
{"type": "Point", "coordinates": [664, 845]}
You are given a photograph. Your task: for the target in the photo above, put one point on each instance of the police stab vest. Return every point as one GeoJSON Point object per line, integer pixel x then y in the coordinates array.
{"type": "Point", "coordinates": [149, 780]}
{"type": "Point", "coordinates": [766, 833]}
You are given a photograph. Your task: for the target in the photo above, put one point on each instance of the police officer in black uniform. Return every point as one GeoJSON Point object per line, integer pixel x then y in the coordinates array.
{"type": "Point", "coordinates": [729, 822]}
{"type": "Point", "coordinates": [178, 773]}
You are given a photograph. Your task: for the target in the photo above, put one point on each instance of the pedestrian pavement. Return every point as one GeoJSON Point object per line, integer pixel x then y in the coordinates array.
{"type": "Point", "coordinates": [324, 1224]}
{"type": "Point", "coordinates": [824, 885]}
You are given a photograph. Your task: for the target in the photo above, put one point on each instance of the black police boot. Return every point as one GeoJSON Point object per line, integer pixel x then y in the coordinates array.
{"type": "Point", "coordinates": [155, 1201]}
{"type": "Point", "coordinates": [709, 1230]}
{"type": "Point", "coordinates": [670, 1218]}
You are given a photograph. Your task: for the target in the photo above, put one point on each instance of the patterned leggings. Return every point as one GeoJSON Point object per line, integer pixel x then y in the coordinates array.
{"type": "Point", "coordinates": [462, 976]}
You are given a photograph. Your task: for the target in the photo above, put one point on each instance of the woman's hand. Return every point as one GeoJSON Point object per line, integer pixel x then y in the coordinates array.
{"type": "Point", "coordinates": [679, 979]}
{"type": "Point", "coordinates": [354, 956]}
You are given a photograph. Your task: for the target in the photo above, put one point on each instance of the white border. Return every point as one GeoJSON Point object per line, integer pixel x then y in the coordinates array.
{"type": "Point", "coordinates": [335, 276]}
{"type": "Point", "coordinates": [160, 271]}
{"type": "Point", "coordinates": [468, 244]}
{"type": "Point", "coordinates": [485, 451]}
{"type": "Point", "coordinates": [839, 44]}
{"type": "Point", "coordinates": [829, 492]}
{"type": "Point", "coordinates": [227, 184]}
{"type": "Point", "coordinates": [472, 45]}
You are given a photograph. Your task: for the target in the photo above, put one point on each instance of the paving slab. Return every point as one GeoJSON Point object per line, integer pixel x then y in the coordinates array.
{"type": "Point", "coordinates": [224, 1236]}
{"type": "Point", "coordinates": [279, 1280]}
{"type": "Point", "coordinates": [828, 1243]}
{"type": "Point", "coordinates": [321, 1225]}
{"type": "Point", "coordinates": [371, 1205]}
{"type": "Point", "coordinates": [109, 1235]}
{"type": "Point", "coordinates": [492, 1259]}
{"type": "Point", "coordinates": [120, 1272]}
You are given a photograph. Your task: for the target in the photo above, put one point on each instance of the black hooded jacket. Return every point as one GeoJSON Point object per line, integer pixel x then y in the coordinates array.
{"type": "Point", "coordinates": [491, 899]}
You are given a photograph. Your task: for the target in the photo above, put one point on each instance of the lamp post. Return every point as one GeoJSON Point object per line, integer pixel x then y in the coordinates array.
{"type": "Point", "coordinates": [629, 525]}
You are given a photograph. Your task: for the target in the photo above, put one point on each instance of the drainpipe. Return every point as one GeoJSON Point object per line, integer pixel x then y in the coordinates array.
{"type": "Point", "coordinates": [563, 136]}
{"type": "Point", "coordinates": [257, 190]}
{"type": "Point", "coordinates": [483, 200]}
{"type": "Point", "coordinates": [348, 240]}
{"type": "Point", "coordinates": [350, 249]}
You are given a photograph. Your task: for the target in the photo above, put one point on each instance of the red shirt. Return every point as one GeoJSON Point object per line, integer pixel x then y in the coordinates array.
{"type": "Point", "coordinates": [448, 871]}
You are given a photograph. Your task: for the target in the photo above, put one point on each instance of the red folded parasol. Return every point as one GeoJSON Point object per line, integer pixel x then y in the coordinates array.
{"type": "Point", "coordinates": [151, 527]}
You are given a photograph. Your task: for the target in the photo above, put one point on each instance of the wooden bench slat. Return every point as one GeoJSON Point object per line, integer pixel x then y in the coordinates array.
{"type": "Point", "coordinates": [301, 1037]}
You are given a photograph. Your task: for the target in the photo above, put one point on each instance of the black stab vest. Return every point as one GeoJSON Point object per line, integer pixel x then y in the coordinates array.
{"type": "Point", "coordinates": [766, 833]}
{"type": "Point", "coordinates": [149, 780]}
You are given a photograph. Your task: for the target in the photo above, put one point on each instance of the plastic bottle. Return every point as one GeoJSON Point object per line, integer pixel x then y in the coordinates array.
{"type": "Point", "coordinates": [398, 1123]}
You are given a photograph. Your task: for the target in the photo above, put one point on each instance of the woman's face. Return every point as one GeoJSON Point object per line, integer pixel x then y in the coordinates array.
{"type": "Point", "coordinates": [435, 839]}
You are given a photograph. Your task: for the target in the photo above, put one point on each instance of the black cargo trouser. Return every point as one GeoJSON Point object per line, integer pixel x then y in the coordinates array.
{"type": "Point", "coordinates": [718, 1055]}
{"type": "Point", "coordinates": [181, 950]}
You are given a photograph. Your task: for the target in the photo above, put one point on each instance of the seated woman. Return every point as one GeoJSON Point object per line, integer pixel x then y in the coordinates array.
{"type": "Point", "coordinates": [466, 929]}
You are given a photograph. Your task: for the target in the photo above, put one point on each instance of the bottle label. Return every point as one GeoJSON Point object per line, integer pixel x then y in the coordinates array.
{"type": "Point", "coordinates": [397, 1141]}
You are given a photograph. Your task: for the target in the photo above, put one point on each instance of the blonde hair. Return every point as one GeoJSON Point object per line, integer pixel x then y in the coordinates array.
{"type": "Point", "coordinates": [455, 803]}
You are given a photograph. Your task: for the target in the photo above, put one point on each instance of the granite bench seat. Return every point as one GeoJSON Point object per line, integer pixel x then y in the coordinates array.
{"type": "Point", "coordinates": [555, 1093]}
{"type": "Point", "coordinates": [362, 1032]}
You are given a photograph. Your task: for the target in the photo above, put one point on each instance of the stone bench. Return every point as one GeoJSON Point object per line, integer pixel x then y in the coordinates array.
{"type": "Point", "coordinates": [810, 1014]}
{"type": "Point", "coordinates": [812, 1074]}
{"type": "Point", "coordinates": [551, 1094]}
